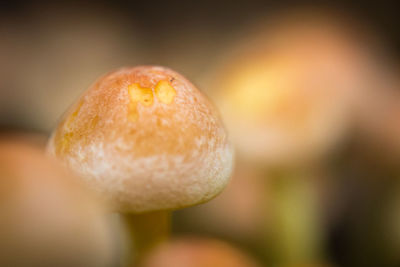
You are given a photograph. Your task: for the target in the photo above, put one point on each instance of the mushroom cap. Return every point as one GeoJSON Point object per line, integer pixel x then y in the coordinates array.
{"type": "Point", "coordinates": [47, 218]}
{"type": "Point", "coordinates": [286, 92]}
{"type": "Point", "coordinates": [198, 252]}
{"type": "Point", "coordinates": [147, 140]}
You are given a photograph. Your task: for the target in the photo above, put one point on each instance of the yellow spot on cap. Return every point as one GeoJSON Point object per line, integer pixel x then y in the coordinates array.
{"type": "Point", "coordinates": [165, 92]}
{"type": "Point", "coordinates": [133, 114]}
{"type": "Point", "coordinates": [140, 94]}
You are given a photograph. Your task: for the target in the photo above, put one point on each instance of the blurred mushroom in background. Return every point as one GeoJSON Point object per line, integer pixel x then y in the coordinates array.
{"type": "Point", "coordinates": [47, 217]}
{"type": "Point", "coordinates": [198, 252]}
{"type": "Point", "coordinates": [288, 93]}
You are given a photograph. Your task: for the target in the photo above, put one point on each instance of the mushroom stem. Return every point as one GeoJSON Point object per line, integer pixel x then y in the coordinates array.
{"type": "Point", "coordinates": [146, 230]}
{"type": "Point", "coordinates": [297, 234]}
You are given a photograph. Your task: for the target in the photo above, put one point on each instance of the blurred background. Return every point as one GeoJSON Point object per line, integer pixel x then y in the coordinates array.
{"type": "Point", "coordinates": [309, 92]}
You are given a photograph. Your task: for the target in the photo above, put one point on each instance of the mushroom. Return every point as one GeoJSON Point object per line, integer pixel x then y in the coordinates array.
{"type": "Point", "coordinates": [287, 91]}
{"type": "Point", "coordinates": [198, 252]}
{"type": "Point", "coordinates": [287, 94]}
{"type": "Point", "coordinates": [47, 217]}
{"type": "Point", "coordinates": [149, 142]}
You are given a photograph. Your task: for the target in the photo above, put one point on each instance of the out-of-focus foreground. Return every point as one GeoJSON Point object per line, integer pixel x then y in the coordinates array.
{"type": "Point", "coordinates": [309, 95]}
